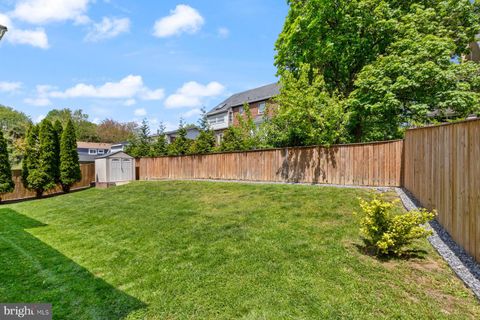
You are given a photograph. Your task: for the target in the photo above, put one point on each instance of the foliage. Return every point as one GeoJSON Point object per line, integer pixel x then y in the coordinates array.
{"type": "Point", "coordinates": [307, 114]}
{"type": "Point", "coordinates": [58, 130]}
{"type": "Point", "coordinates": [390, 62]}
{"type": "Point", "coordinates": [140, 145]}
{"type": "Point", "coordinates": [181, 144]}
{"type": "Point", "coordinates": [84, 129]}
{"type": "Point", "coordinates": [112, 131]}
{"type": "Point", "coordinates": [6, 182]}
{"type": "Point", "coordinates": [205, 142]}
{"type": "Point", "coordinates": [387, 232]}
{"type": "Point", "coordinates": [32, 155]}
{"type": "Point", "coordinates": [160, 145]}
{"type": "Point", "coordinates": [40, 173]}
{"type": "Point", "coordinates": [14, 125]}
{"type": "Point", "coordinates": [69, 164]}
{"type": "Point", "coordinates": [243, 136]}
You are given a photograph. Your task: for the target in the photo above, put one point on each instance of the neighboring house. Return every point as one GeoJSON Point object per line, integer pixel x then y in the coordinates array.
{"type": "Point", "coordinates": [226, 113]}
{"type": "Point", "coordinates": [119, 147]}
{"type": "Point", "coordinates": [88, 151]}
{"type": "Point", "coordinates": [474, 54]}
{"type": "Point", "coordinates": [192, 133]}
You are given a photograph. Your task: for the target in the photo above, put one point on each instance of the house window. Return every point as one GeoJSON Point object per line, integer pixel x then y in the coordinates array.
{"type": "Point", "coordinates": [240, 110]}
{"type": "Point", "coordinates": [92, 151]}
{"type": "Point", "coordinates": [101, 151]}
{"type": "Point", "coordinates": [230, 117]}
{"type": "Point", "coordinates": [261, 107]}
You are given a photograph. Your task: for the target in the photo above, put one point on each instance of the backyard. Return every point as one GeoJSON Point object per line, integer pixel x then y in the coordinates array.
{"type": "Point", "coordinates": [179, 250]}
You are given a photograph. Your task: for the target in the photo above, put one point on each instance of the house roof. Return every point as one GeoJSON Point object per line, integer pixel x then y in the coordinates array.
{"type": "Point", "coordinates": [249, 96]}
{"type": "Point", "coordinates": [168, 133]}
{"type": "Point", "coordinates": [93, 145]}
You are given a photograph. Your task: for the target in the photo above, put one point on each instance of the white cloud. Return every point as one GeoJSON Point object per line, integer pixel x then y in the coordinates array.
{"type": "Point", "coordinates": [158, 94]}
{"type": "Point", "coordinates": [223, 32]}
{"type": "Point", "coordinates": [42, 99]}
{"type": "Point", "coordinates": [140, 112]}
{"type": "Point", "coordinates": [130, 102]}
{"type": "Point", "coordinates": [45, 11]}
{"type": "Point", "coordinates": [192, 94]}
{"type": "Point", "coordinates": [108, 28]}
{"type": "Point", "coordinates": [128, 88]}
{"type": "Point", "coordinates": [6, 86]}
{"type": "Point", "coordinates": [191, 113]}
{"type": "Point", "coordinates": [182, 19]}
{"type": "Point", "coordinates": [36, 38]}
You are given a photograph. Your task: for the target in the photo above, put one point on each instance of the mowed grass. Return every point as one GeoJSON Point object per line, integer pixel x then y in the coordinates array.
{"type": "Point", "coordinates": [204, 250]}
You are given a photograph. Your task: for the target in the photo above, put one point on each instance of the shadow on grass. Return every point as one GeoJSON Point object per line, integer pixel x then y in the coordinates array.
{"type": "Point", "coordinates": [407, 254]}
{"type": "Point", "coordinates": [31, 271]}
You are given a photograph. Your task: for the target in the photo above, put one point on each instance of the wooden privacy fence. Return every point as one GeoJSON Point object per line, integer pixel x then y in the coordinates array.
{"type": "Point", "coordinates": [442, 170]}
{"type": "Point", "coordinates": [20, 192]}
{"type": "Point", "coordinates": [374, 164]}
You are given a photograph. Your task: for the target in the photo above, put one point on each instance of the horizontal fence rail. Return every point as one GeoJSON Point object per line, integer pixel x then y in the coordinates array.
{"type": "Point", "coordinates": [20, 192]}
{"type": "Point", "coordinates": [375, 164]}
{"type": "Point", "coordinates": [442, 170]}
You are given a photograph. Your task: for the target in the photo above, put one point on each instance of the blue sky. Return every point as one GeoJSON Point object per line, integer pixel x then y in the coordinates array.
{"type": "Point", "coordinates": [129, 60]}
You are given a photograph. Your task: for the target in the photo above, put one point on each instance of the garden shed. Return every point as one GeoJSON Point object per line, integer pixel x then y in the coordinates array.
{"type": "Point", "coordinates": [114, 168]}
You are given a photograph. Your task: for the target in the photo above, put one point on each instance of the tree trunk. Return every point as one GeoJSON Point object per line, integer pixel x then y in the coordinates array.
{"type": "Point", "coordinates": [39, 193]}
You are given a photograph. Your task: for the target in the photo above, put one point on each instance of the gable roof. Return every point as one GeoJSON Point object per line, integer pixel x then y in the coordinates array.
{"type": "Point", "coordinates": [93, 145]}
{"type": "Point", "coordinates": [249, 96]}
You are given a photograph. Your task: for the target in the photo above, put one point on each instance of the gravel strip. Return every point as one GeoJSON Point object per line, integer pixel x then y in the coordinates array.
{"type": "Point", "coordinates": [459, 260]}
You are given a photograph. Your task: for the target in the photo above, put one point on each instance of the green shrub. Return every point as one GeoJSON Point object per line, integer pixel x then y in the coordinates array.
{"type": "Point", "coordinates": [388, 232]}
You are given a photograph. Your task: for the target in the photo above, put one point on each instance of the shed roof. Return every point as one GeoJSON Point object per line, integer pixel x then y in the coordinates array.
{"type": "Point", "coordinates": [116, 153]}
{"type": "Point", "coordinates": [249, 96]}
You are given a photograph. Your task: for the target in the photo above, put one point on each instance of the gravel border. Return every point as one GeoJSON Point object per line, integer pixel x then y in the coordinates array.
{"type": "Point", "coordinates": [459, 260]}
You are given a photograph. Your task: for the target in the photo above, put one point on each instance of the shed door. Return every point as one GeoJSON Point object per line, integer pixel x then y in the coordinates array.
{"type": "Point", "coordinates": [115, 170]}
{"type": "Point", "coordinates": [127, 173]}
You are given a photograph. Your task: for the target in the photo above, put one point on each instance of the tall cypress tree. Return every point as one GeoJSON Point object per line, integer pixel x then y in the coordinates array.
{"type": "Point", "coordinates": [31, 156]}
{"type": "Point", "coordinates": [58, 129]}
{"type": "Point", "coordinates": [42, 176]}
{"type": "Point", "coordinates": [6, 182]}
{"type": "Point", "coordinates": [69, 164]}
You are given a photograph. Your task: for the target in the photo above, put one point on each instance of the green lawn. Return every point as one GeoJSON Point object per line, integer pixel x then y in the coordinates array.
{"type": "Point", "coordinates": [197, 250]}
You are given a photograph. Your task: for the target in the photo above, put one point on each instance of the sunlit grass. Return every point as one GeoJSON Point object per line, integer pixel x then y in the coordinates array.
{"type": "Point", "coordinates": [179, 250]}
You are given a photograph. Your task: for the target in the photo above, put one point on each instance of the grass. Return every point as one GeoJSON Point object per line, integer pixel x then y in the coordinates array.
{"type": "Point", "coordinates": [199, 250]}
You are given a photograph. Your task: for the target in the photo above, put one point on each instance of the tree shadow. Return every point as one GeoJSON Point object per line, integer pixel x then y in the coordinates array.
{"type": "Point", "coordinates": [305, 164]}
{"type": "Point", "coordinates": [407, 254]}
{"type": "Point", "coordinates": [33, 272]}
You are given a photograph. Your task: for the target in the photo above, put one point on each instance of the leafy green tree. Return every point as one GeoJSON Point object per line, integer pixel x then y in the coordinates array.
{"type": "Point", "coordinates": [233, 140]}
{"type": "Point", "coordinates": [14, 125]}
{"type": "Point", "coordinates": [181, 145]}
{"type": "Point", "coordinates": [337, 38]}
{"type": "Point", "coordinates": [390, 62]}
{"type": "Point", "coordinates": [160, 146]}
{"type": "Point", "coordinates": [6, 182]}
{"type": "Point", "coordinates": [57, 129]}
{"type": "Point", "coordinates": [307, 113]}
{"type": "Point", "coordinates": [69, 164]}
{"type": "Point", "coordinates": [205, 142]}
{"type": "Point", "coordinates": [244, 136]}
{"type": "Point", "coordinates": [84, 129]}
{"type": "Point", "coordinates": [140, 145]}
{"type": "Point", "coordinates": [41, 173]}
